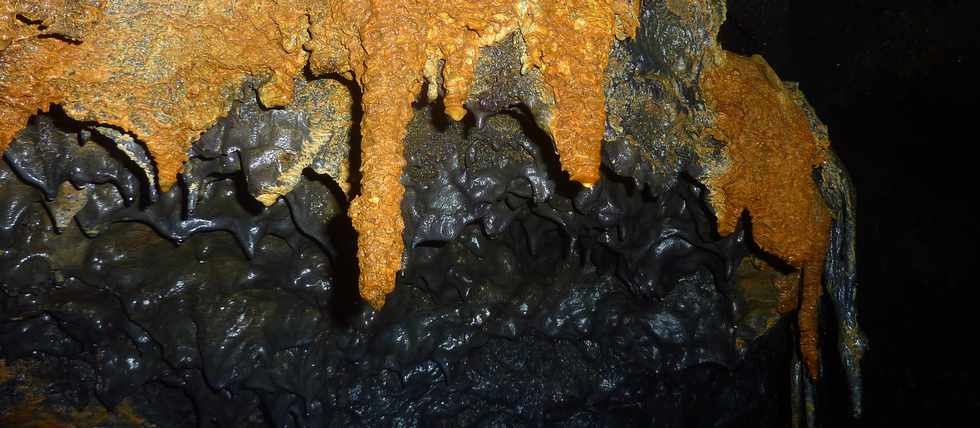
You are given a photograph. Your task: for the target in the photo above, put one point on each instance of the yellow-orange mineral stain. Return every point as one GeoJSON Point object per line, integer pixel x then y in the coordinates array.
{"type": "Point", "coordinates": [67, 19]}
{"type": "Point", "coordinates": [166, 70]}
{"type": "Point", "coordinates": [390, 46]}
{"type": "Point", "coordinates": [163, 70]}
{"type": "Point", "coordinates": [570, 42]}
{"type": "Point", "coordinates": [30, 408]}
{"type": "Point", "coordinates": [772, 153]}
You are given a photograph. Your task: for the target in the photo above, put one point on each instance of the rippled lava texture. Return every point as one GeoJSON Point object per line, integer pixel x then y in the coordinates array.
{"type": "Point", "coordinates": [593, 215]}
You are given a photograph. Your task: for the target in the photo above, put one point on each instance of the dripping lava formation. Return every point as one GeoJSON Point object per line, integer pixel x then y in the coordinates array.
{"type": "Point", "coordinates": [188, 186]}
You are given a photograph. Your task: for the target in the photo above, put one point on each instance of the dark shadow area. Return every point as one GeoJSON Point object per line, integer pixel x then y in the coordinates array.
{"type": "Point", "coordinates": [41, 27]}
{"type": "Point", "coordinates": [563, 184]}
{"type": "Point", "coordinates": [772, 260]}
{"type": "Point", "coordinates": [345, 299]}
{"type": "Point", "coordinates": [243, 198]}
{"type": "Point", "coordinates": [356, 115]}
{"type": "Point", "coordinates": [439, 120]}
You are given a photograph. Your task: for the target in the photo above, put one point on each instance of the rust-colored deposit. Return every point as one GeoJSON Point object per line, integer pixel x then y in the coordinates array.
{"type": "Point", "coordinates": [163, 70]}
{"type": "Point", "coordinates": [166, 70]}
{"type": "Point", "coordinates": [772, 153]}
{"type": "Point", "coordinates": [31, 409]}
{"type": "Point", "coordinates": [393, 46]}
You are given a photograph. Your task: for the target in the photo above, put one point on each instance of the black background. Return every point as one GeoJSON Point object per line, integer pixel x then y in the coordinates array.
{"type": "Point", "coordinates": [895, 83]}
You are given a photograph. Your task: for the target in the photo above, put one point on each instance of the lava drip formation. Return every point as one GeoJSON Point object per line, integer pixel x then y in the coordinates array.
{"type": "Point", "coordinates": [161, 81]}
{"type": "Point", "coordinates": [165, 71]}
{"type": "Point", "coordinates": [393, 47]}
{"type": "Point", "coordinates": [161, 70]}
{"type": "Point", "coordinates": [772, 153]}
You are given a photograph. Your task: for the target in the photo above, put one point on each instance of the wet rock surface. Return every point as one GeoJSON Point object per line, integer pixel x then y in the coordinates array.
{"type": "Point", "coordinates": [523, 298]}
{"type": "Point", "coordinates": [521, 304]}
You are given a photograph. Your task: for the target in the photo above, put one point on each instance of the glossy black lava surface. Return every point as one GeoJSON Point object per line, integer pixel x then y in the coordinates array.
{"type": "Point", "coordinates": [523, 302]}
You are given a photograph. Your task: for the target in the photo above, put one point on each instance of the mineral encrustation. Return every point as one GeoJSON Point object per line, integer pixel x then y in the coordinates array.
{"type": "Point", "coordinates": [591, 210]}
{"type": "Point", "coordinates": [166, 71]}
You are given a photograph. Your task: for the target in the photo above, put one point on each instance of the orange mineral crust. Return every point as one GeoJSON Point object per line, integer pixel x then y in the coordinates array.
{"type": "Point", "coordinates": [163, 70]}
{"type": "Point", "coordinates": [67, 19]}
{"type": "Point", "coordinates": [393, 46]}
{"type": "Point", "coordinates": [772, 152]}
{"type": "Point", "coordinates": [166, 70]}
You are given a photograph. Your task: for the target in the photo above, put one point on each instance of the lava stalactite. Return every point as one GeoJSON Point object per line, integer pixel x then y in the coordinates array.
{"type": "Point", "coordinates": [391, 53]}
{"type": "Point", "coordinates": [117, 63]}
{"type": "Point", "coordinates": [166, 71]}
{"type": "Point", "coordinates": [772, 152]}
